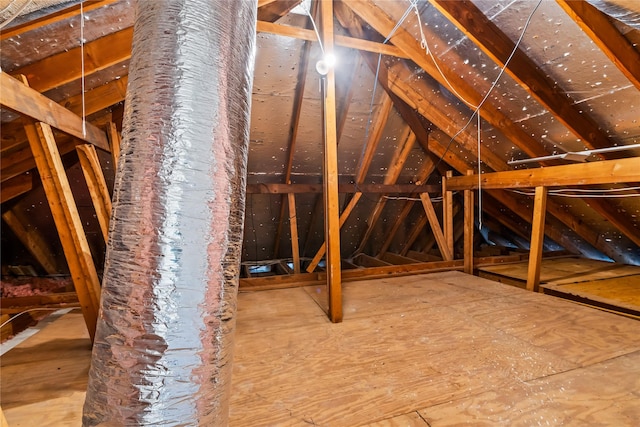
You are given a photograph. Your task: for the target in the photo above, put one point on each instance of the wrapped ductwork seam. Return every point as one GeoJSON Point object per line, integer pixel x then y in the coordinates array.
{"type": "Point", "coordinates": [163, 348]}
{"type": "Point", "coordinates": [625, 11]}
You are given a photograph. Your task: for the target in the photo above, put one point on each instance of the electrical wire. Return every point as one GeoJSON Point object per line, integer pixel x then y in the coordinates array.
{"type": "Point", "coordinates": [27, 311]}
{"type": "Point", "coordinates": [579, 196]}
{"type": "Point", "coordinates": [494, 84]}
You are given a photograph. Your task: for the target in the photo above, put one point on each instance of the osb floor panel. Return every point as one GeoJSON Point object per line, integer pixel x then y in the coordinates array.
{"type": "Point", "coordinates": [443, 349]}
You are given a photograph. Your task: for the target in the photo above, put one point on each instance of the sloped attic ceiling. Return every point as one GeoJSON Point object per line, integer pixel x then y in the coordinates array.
{"type": "Point", "coordinates": [561, 92]}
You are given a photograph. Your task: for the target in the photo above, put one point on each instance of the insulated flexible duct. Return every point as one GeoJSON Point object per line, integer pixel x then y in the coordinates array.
{"type": "Point", "coordinates": [163, 347]}
{"type": "Point", "coordinates": [625, 11]}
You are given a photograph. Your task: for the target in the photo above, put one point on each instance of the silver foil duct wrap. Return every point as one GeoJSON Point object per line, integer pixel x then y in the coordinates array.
{"type": "Point", "coordinates": [625, 11]}
{"type": "Point", "coordinates": [163, 348]}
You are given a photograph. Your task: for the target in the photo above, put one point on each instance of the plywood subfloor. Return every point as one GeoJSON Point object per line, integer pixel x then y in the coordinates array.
{"type": "Point", "coordinates": [443, 348]}
{"type": "Point", "coordinates": [614, 287]}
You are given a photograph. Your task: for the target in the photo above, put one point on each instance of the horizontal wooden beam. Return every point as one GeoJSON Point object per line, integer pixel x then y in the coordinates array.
{"type": "Point", "coordinates": [344, 41]}
{"type": "Point", "coordinates": [16, 186]}
{"type": "Point", "coordinates": [602, 172]}
{"type": "Point", "coordinates": [342, 188]}
{"type": "Point", "coordinates": [28, 102]}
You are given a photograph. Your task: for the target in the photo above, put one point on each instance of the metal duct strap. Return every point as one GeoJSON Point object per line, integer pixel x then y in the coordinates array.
{"type": "Point", "coordinates": [163, 347]}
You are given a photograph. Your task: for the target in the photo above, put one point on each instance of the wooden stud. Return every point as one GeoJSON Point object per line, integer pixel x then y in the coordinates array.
{"type": "Point", "coordinates": [435, 227]}
{"type": "Point", "coordinates": [114, 142]}
{"type": "Point", "coordinates": [537, 239]}
{"type": "Point", "coordinates": [67, 220]}
{"type": "Point", "coordinates": [468, 229]}
{"type": "Point", "coordinates": [293, 221]}
{"type": "Point", "coordinates": [606, 35]}
{"type": "Point", "coordinates": [447, 211]}
{"type": "Point", "coordinates": [31, 239]}
{"type": "Point", "coordinates": [96, 184]}
{"type": "Point", "coordinates": [332, 217]}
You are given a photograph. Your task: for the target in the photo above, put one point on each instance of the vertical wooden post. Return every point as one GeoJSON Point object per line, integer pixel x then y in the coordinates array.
{"type": "Point", "coordinates": [67, 220]}
{"type": "Point", "coordinates": [537, 239]}
{"type": "Point", "coordinates": [114, 142]}
{"type": "Point", "coordinates": [447, 213]}
{"type": "Point", "coordinates": [332, 217]}
{"type": "Point", "coordinates": [293, 223]}
{"type": "Point", "coordinates": [96, 184]}
{"type": "Point", "coordinates": [468, 229]}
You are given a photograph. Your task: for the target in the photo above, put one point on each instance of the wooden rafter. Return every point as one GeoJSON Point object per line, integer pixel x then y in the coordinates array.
{"type": "Point", "coordinates": [371, 144]}
{"type": "Point", "coordinates": [498, 46]}
{"type": "Point", "coordinates": [87, 6]}
{"type": "Point", "coordinates": [32, 239]}
{"type": "Point", "coordinates": [96, 184]}
{"type": "Point", "coordinates": [604, 34]}
{"type": "Point", "coordinates": [64, 67]}
{"type": "Point", "coordinates": [393, 172]}
{"type": "Point", "coordinates": [379, 20]}
{"type": "Point", "coordinates": [26, 101]}
{"type": "Point", "coordinates": [67, 220]}
{"type": "Point", "coordinates": [16, 186]}
{"type": "Point", "coordinates": [273, 11]}
{"type": "Point", "coordinates": [293, 137]}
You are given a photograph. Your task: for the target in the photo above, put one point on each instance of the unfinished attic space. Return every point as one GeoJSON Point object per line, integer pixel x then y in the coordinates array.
{"type": "Point", "coordinates": [320, 212]}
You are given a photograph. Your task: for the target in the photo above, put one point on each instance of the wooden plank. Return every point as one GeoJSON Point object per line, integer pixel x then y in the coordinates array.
{"type": "Point", "coordinates": [344, 41]}
{"type": "Point", "coordinates": [32, 240]}
{"type": "Point", "coordinates": [114, 143]}
{"type": "Point", "coordinates": [332, 213]}
{"type": "Point", "coordinates": [447, 212]}
{"type": "Point", "coordinates": [499, 47]}
{"type": "Point", "coordinates": [96, 184]}
{"type": "Point", "coordinates": [602, 172]}
{"type": "Point", "coordinates": [67, 220]}
{"type": "Point", "coordinates": [607, 37]}
{"type": "Point", "coordinates": [468, 228]}
{"type": "Point", "coordinates": [16, 186]}
{"type": "Point", "coordinates": [396, 259]}
{"type": "Point", "coordinates": [537, 239]}
{"type": "Point", "coordinates": [278, 188]}
{"type": "Point", "coordinates": [26, 101]}
{"type": "Point", "coordinates": [620, 294]}
{"type": "Point", "coordinates": [65, 67]}
{"type": "Point", "coordinates": [40, 300]}
{"type": "Point", "coordinates": [293, 221]}
{"type": "Point", "coordinates": [369, 261]}
{"type": "Point", "coordinates": [87, 6]}
{"type": "Point", "coordinates": [420, 256]}
{"type": "Point", "coordinates": [435, 227]}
